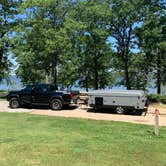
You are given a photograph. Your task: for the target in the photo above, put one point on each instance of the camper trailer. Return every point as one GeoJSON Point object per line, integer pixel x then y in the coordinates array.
{"type": "Point", "coordinates": [119, 100]}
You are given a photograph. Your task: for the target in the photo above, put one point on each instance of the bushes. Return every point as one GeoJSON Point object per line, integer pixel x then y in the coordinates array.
{"type": "Point", "coordinates": [3, 94]}
{"type": "Point", "coordinates": [163, 100]}
{"type": "Point", "coordinates": [154, 98]}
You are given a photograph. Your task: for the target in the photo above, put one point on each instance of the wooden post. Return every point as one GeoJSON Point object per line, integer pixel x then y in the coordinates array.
{"type": "Point", "coordinates": [156, 122]}
{"type": "Point", "coordinates": [158, 72]}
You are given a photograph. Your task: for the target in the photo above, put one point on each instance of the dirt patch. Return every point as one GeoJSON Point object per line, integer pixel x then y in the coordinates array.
{"type": "Point", "coordinates": [4, 107]}
{"type": "Point", "coordinates": [82, 112]}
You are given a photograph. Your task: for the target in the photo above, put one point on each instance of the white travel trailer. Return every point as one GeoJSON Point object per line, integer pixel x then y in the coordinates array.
{"type": "Point", "coordinates": [119, 100]}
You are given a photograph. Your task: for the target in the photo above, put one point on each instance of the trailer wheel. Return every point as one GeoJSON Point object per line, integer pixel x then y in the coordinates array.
{"type": "Point", "coordinates": [120, 110]}
{"type": "Point", "coordinates": [95, 109]}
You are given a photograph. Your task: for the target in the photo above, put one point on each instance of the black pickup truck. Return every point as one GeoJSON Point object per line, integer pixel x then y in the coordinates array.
{"type": "Point", "coordinates": [40, 94]}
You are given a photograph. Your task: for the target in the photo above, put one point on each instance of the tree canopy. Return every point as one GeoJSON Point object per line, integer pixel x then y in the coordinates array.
{"type": "Point", "coordinates": [95, 43]}
{"type": "Point", "coordinates": [8, 20]}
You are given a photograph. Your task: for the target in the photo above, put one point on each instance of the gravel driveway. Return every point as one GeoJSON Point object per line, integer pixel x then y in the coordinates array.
{"type": "Point", "coordinates": [81, 112]}
{"type": "Point", "coordinates": [4, 107]}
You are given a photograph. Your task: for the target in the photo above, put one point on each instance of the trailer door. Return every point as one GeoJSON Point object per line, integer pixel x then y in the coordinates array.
{"type": "Point", "coordinates": [99, 101]}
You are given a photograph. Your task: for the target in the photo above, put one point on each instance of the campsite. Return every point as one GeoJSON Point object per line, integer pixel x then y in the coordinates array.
{"type": "Point", "coordinates": [83, 83]}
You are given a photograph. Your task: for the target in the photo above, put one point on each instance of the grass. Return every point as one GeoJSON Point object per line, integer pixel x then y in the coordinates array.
{"type": "Point", "coordinates": [47, 141]}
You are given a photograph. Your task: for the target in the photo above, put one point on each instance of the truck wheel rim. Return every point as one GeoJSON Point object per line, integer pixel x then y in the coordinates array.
{"type": "Point", "coordinates": [55, 105]}
{"type": "Point", "coordinates": [15, 103]}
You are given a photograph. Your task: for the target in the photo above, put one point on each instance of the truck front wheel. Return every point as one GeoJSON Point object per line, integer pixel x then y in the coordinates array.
{"type": "Point", "coordinates": [56, 104]}
{"type": "Point", "coordinates": [14, 103]}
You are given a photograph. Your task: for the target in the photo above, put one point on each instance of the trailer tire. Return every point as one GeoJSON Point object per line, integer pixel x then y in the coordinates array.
{"type": "Point", "coordinates": [95, 109]}
{"type": "Point", "coordinates": [136, 112]}
{"type": "Point", "coordinates": [120, 110]}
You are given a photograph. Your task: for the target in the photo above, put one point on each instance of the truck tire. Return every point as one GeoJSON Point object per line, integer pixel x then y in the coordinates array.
{"type": "Point", "coordinates": [95, 109]}
{"type": "Point", "coordinates": [14, 103]}
{"type": "Point", "coordinates": [56, 104]}
{"type": "Point", "coordinates": [120, 110]}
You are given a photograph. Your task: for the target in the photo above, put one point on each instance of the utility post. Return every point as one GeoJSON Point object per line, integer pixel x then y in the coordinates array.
{"type": "Point", "coordinates": [158, 72]}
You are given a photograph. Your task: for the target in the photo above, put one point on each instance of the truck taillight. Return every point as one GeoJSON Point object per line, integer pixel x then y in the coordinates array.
{"type": "Point", "coordinates": [71, 95]}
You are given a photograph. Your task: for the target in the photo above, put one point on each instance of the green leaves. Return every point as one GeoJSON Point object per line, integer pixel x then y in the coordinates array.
{"type": "Point", "coordinates": [8, 13]}
{"type": "Point", "coordinates": [90, 42]}
{"type": "Point", "coordinates": [151, 39]}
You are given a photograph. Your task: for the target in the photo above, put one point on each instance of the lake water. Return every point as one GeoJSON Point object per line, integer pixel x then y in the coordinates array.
{"type": "Point", "coordinates": [17, 85]}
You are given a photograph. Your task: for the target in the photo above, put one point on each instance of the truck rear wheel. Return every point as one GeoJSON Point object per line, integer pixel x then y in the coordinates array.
{"type": "Point", "coordinates": [14, 103]}
{"type": "Point", "coordinates": [56, 104]}
{"type": "Point", "coordinates": [120, 110]}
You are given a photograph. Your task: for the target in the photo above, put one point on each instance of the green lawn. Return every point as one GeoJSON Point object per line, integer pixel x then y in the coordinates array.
{"type": "Point", "coordinates": [47, 141]}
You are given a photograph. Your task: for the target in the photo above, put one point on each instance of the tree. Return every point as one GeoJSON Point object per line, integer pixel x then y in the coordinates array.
{"type": "Point", "coordinates": [69, 41]}
{"type": "Point", "coordinates": [151, 40]}
{"type": "Point", "coordinates": [42, 38]}
{"type": "Point", "coordinates": [91, 49]}
{"type": "Point", "coordinates": [8, 12]}
{"type": "Point", "coordinates": [125, 17]}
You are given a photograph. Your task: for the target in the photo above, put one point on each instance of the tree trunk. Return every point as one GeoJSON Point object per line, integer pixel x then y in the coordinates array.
{"type": "Point", "coordinates": [46, 76]}
{"type": "Point", "coordinates": [126, 58]}
{"type": "Point", "coordinates": [127, 79]}
{"type": "Point", "coordinates": [146, 72]}
{"type": "Point", "coordinates": [86, 84]}
{"type": "Point", "coordinates": [1, 48]}
{"type": "Point", "coordinates": [1, 56]}
{"type": "Point", "coordinates": [96, 78]}
{"type": "Point", "coordinates": [158, 72]}
{"type": "Point", "coordinates": [54, 70]}
{"type": "Point", "coordinates": [128, 86]}
{"type": "Point", "coordinates": [54, 74]}
{"type": "Point", "coordinates": [145, 80]}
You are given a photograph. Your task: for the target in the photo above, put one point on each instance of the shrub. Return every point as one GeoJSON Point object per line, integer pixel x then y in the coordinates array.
{"type": "Point", "coordinates": [3, 94]}
{"type": "Point", "coordinates": [154, 98]}
{"type": "Point", "coordinates": [163, 99]}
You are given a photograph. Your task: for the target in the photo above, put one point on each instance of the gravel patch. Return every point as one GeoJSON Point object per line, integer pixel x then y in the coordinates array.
{"type": "Point", "coordinates": [4, 107]}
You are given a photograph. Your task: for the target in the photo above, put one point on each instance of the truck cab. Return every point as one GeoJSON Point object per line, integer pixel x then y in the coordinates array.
{"type": "Point", "coordinates": [39, 94]}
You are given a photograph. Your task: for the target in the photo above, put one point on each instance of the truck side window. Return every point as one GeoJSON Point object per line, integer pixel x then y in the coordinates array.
{"type": "Point", "coordinates": [28, 88]}
{"type": "Point", "coordinates": [43, 88]}
{"type": "Point", "coordinates": [53, 88]}
{"type": "Point", "coordinates": [38, 89]}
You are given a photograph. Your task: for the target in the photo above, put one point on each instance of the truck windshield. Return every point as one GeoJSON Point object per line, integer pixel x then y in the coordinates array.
{"type": "Point", "coordinates": [28, 88]}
